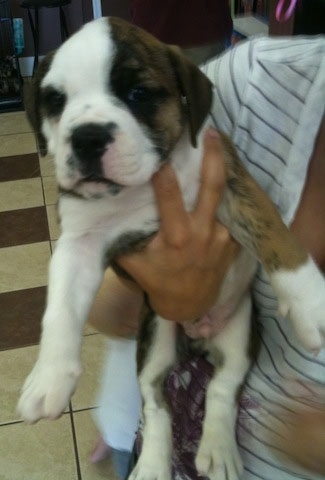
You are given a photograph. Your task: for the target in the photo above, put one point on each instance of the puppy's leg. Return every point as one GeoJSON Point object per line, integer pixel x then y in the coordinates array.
{"type": "Point", "coordinates": [255, 222]}
{"type": "Point", "coordinates": [75, 273]}
{"type": "Point", "coordinates": [154, 462]}
{"type": "Point", "coordinates": [218, 457]}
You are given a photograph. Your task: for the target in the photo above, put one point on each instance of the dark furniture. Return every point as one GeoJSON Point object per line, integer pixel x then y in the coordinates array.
{"type": "Point", "coordinates": [10, 78]}
{"type": "Point", "coordinates": [35, 6]}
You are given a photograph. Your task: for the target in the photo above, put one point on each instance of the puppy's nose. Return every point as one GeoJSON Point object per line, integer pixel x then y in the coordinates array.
{"type": "Point", "coordinates": [89, 141]}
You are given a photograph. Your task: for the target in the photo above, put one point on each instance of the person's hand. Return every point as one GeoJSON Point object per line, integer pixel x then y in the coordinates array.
{"type": "Point", "coordinates": [183, 266]}
{"type": "Point", "coordinates": [300, 436]}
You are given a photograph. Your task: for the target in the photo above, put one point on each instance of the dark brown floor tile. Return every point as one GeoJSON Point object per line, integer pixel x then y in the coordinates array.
{"type": "Point", "coordinates": [20, 227]}
{"type": "Point", "coordinates": [20, 318]}
{"type": "Point", "coordinates": [19, 167]}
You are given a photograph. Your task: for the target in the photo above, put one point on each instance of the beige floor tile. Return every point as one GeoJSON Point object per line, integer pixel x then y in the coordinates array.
{"type": "Point", "coordinates": [14, 123]}
{"type": "Point", "coordinates": [15, 365]}
{"type": "Point", "coordinates": [25, 266]}
{"type": "Point", "coordinates": [47, 166]}
{"type": "Point", "coordinates": [17, 144]}
{"type": "Point", "coordinates": [54, 225]}
{"type": "Point", "coordinates": [87, 436]}
{"type": "Point", "coordinates": [21, 194]}
{"type": "Point", "coordinates": [92, 358]}
{"type": "Point", "coordinates": [38, 452]}
{"type": "Point", "coordinates": [50, 190]}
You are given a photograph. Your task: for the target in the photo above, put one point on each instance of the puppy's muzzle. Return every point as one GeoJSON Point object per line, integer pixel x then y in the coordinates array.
{"type": "Point", "coordinates": [89, 142]}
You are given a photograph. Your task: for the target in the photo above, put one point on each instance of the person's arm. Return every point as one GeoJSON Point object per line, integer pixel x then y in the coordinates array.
{"type": "Point", "coordinates": [182, 268]}
{"type": "Point", "coordinates": [118, 307]}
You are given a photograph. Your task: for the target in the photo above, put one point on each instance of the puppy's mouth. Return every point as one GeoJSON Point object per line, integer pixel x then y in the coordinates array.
{"type": "Point", "coordinates": [95, 186]}
{"type": "Point", "coordinates": [100, 180]}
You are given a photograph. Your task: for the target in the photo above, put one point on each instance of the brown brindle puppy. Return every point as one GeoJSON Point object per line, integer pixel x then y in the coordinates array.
{"type": "Point", "coordinates": [112, 105]}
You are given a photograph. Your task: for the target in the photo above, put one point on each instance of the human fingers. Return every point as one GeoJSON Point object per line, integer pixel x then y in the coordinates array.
{"type": "Point", "coordinates": [173, 216]}
{"type": "Point", "coordinates": [212, 178]}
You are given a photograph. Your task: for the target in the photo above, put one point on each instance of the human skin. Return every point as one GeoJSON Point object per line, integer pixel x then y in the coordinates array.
{"type": "Point", "coordinates": [170, 256]}
{"type": "Point", "coordinates": [185, 262]}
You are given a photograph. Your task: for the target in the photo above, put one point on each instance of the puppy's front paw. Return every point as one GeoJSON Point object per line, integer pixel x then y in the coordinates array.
{"type": "Point", "coordinates": [48, 389]}
{"type": "Point", "coordinates": [218, 457]}
{"type": "Point", "coordinates": [301, 295]}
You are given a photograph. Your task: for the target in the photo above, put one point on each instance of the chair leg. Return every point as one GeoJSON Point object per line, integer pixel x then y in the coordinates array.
{"type": "Point", "coordinates": [63, 25]}
{"type": "Point", "coordinates": [34, 25]}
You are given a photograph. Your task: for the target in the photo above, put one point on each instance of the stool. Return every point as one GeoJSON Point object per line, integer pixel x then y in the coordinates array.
{"type": "Point", "coordinates": [36, 5]}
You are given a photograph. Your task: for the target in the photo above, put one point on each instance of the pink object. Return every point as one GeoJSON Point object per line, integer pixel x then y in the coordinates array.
{"type": "Point", "coordinates": [100, 452]}
{"type": "Point", "coordinates": [283, 15]}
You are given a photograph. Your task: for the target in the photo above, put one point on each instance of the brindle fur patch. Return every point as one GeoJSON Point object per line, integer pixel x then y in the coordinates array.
{"type": "Point", "coordinates": [142, 60]}
{"type": "Point", "coordinates": [255, 221]}
{"type": "Point", "coordinates": [159, 65]}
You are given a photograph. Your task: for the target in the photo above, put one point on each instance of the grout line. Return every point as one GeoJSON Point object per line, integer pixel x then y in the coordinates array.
{"type": "Point", "coordinates": [13, 422]}
{"type": "Point", "coordinates": [9, 134]}
{"type": "Point", "coordinates": [82, 409]}
{"type": "Point", "coordinates": [75, 444]}
{"type": "Point", "coordinates": [45, 204]}
{"type": "Point", "coordinates": [17, 422]}
{"type": "Point", "coordinates": [43, 189]}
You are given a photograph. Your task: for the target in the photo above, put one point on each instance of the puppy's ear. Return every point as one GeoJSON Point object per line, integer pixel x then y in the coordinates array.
{"type": "Point", "coordinates": [32, 101]}
{"type": "Point", "coordinates": [195, 88]}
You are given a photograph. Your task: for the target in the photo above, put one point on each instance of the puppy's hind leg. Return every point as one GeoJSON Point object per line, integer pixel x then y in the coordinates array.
{"type": "Point", "coordinates": [296, 280]}
{"type": "Point", "coordinates": [218, 457]}
{"type": "Point", "coordinates": [154, 462]}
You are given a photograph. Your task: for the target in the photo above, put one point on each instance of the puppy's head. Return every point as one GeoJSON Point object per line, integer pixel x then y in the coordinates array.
{"type": "Point", "coordinates": [111, 103]}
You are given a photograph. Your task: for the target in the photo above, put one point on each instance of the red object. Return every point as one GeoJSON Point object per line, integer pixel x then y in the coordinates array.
{"type": "Point", "coordinates": [187, 23]}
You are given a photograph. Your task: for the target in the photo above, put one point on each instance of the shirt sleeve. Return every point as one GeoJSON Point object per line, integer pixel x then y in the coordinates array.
{"type": "Point", "coordinates": [268, 93]}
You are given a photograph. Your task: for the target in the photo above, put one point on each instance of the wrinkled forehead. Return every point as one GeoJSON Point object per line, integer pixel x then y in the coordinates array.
{"type": "Point", "coordinates": [105, 48]}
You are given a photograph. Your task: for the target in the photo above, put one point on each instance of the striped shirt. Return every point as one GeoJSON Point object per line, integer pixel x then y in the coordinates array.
{"type": "Point", "coordinates": [270, 98]}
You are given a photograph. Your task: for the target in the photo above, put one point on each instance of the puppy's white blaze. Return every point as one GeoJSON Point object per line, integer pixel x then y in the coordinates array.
{"type": "Point", "coordinates": [301, 294]}
{"type": "Point", "coordinates": [86, 70]}
{"type": "Point", "coordinates": [77, 75]}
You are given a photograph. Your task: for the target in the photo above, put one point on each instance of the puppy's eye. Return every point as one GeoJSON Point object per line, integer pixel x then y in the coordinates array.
{"type": "Point", "coordinates": [53, 101]}
{"type": "Point", "coordinates": [139, 94]}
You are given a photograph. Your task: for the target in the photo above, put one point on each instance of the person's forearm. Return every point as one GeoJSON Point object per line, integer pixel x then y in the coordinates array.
{"type": "Point", "coordinates": [117, 307]}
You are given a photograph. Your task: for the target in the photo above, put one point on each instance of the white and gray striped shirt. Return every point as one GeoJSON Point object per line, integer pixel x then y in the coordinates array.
{"type": "Point", "coordinates": [270, 98]}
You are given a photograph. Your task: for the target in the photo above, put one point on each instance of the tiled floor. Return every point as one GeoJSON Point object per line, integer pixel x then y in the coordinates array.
{"type": "Point", "coordinates": [28, 230]}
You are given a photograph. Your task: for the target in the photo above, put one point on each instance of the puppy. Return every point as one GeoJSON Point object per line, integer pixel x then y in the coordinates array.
{"type": "Point", "coordinates": [112, 105]}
